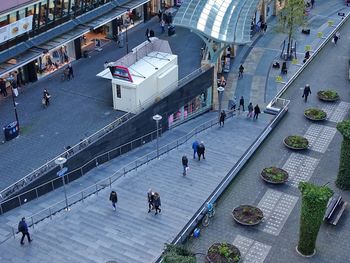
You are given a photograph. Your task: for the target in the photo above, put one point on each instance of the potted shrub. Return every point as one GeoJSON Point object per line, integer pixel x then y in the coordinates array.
{"type": "Point", "coordinates": [223, 253]}
{"type": "Point", "coordinates": [274, 175]}
{"type": "Point", "coordinates": [296, 142]}
{"type": "Point", "coordinates": [247, 215]}
{"type": "Point", "coordinates": [175, 253]}
{"type": "Point", "coordinates": [343, 178]}
{"type": "Point", "coordinates": [315, 114]}
{"type": "Point", "coordinates": [328, 95]}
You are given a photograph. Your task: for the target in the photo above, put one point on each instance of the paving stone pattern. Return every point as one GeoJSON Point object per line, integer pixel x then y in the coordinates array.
{"type": "Point", "coordinates": [336, 112]}
{"type": "Point", "coordinates": [251, 250]}
{"type": "Point", "coordinates": [300, 168]}
{"type": "Point", "coordinates": [319, 137]}
{"type": "Point", "coordinates": [276, 207]}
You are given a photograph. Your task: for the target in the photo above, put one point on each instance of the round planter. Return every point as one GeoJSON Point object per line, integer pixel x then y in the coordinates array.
{"type": "Point", "coordinates": [223, 253]}
{"type": "Point", "coordinates": [315, 114]}
{"type": "Point", "coordinates": [296, 142]}
{"type": "Point", "coordinates": [247, 215]}
{"type": "Point", "coordinates": [274, 175]}
{"type": "Point", "coordinates": [305, 256]}
{"type": "Point", "coordinates": [328, 95]}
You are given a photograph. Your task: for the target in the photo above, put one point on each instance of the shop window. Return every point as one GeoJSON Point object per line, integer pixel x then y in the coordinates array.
{"type": "Point", "coordinates": [119, 91]}
{"type": "Point", "coordinates": [30, 10]}
{"type": "Point", "coordinates": [13, 17]}
{"type": "Point", "coordinates": [3, 21]}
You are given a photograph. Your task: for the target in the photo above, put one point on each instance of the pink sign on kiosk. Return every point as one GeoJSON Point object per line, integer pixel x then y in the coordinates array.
{"type": "Point", "coordinates": [120, 72]}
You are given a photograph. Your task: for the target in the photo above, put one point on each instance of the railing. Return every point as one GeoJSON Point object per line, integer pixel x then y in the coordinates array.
{"type": "Point", "coordinates": [185, 232]}
{"type": "Point", "coordinates": [50, 165]}
{"type": "Point", "coordinates": [95, 188]}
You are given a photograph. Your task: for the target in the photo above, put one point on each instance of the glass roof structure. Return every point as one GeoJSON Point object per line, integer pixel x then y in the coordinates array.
{"type": "Point", "coordinates": [227, 21]}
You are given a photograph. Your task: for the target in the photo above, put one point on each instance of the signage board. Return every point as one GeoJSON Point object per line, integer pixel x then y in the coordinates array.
{"type": "Point", "coordinates": [119, 72]}
{"type": "Point", "coordinates": [16, 28]}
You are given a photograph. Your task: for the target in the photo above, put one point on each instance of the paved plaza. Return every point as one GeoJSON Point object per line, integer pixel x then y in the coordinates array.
{"type": "Point", "coordinates": [92, 232]}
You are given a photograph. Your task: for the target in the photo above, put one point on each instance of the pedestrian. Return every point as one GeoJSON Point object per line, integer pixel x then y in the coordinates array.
{"type": "Point", "coordinates": [312, 3]}
{"type": "Point", "coordinates": [195, 148]}
{"type": "Point", "coordinates": [3, 89]}
{"type": "Point", "coordinates": [156, 202]}
{"type": "Point", "coordinates": [150, 198]}
{"type": "Point", "coordinates": [222, 118]}
{"type": "Point", "coordinates": [184, 164]}
{"type": "Point", "coordinates": [70, 71]}
{"type": "Point", "coordinates": [250, 110]}
{"type": "Point", "coordinates": [335, 38]}
{"type": "Point", "coordinates": [162, 24]}
{"type": "Point", "coordinates": [147, 35]}
{"type": "Point", "coordinates": [160, 15]}
{"type": "Point", "coordinates": [307, 56]}
{"type": "Point", "coordinates": [234, 103]}
{"type": "Point", "coordinates": [151, 33]}
{"type": "Point", "coordinates": [265, 27]}
{"type": "Point", "coordinates": [240, 71]}
{"type": "Point", "coordinates": [241, 103]}
{"type": "Point", "coordinates": [307, 92]}
{"type": "Point", "coordinates": [113, 197]}
{"type": "Point", "coordinates": [256, 112]}
{"type": "Point", "coordinates": [201, 150]}
{"type": "Point", "coordinates": [46, 97]}
{"type": "Point", "coordinates": [23, 228]}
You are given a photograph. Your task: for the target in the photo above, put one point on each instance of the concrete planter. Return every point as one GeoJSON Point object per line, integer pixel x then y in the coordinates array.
{"type": "Point", "coordinates": [328, 95]}
{"type": "Point", "coordinates": [315, 114]}
{"type": "Point", "coordinates": [274, 175]}
{"type": "Point", "coordinates": [222, 253]}
{"type": "Point", "coordinates": [247, 215]}
{"type": "Point", "coordinates": [296, 142]}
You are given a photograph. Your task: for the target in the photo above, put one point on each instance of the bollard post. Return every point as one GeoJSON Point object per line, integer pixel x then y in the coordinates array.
{"type": "Point", "coordinates": [32, 222]}
{"type": "Point", "coordinates": [50, 213]}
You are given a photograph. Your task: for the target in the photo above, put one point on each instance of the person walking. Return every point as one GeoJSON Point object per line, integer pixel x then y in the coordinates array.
{"type": "Point", "coordinates": [3, 87]}
{"type": "Point", "coordinates": [160, 15]}
{"type": "Point", "coordinates": [147, 35]}
{"type": "Point", "coordinates": [222, 118]}
{"type": "Point", "coordinates": [240, 71]}
{"type": "Point", "coordinates": [23, 228]}
{"type": "Point", "coordinates": [335, 38]}
{"type": "Point", "coordinates": [46, 97]}
{"type": "Point", "coordinates": [113, 197]}
{"type": "Point", "coordinates": [150, 198]}
{"type": "Point", "coordinates": [250, 110]}
{"type": "Point", "coordinates": [195, 148]}
{"type": "Point", "coordinates": [307, 92]}
{"type": "Point", "coordinates": [156, 202]}
{"type": "Point", "coordinates": [241, 103]}
{"type": "Point", "coordinates": [162, 24]}
{"type": "Point", "coordinates": [256, 112]}
{"type": "Point", "coordinates": [234, 103]}
{"type": "Point", "coordinates": [312, 3]}
{"type": "Point", "coordinates": [201, 150]}
{"type": "Point", "coordinates": [70, 71]}
{"type": "Point", "coordinates": [307, 56]}
{"type": "Point", "coordinates": [184, 164]}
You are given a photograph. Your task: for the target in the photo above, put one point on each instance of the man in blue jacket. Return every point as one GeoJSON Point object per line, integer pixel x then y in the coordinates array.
{"type": "Point", "coordinates": [23, 228]}
{"type": "Point", "coordinates": [195, 147]}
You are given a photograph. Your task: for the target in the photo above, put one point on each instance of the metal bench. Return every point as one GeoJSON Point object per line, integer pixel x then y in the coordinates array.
{"type": "Point", "coordinates": [335, 208]}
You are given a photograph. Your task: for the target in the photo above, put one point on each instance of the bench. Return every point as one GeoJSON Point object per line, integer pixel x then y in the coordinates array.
{"type": "Point", "coordinates": [335, 208]}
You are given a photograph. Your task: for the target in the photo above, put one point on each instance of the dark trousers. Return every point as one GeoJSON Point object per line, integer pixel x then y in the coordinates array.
{"type": "Point", "coordinates": [256, 116]}
{"type": "Point", "coordinates": [305, 97]}
{"type": "Point", "coordinates": [199, 156]}
{"type": "Point", "coordinates": [157, 209]}
{"type": "Point", "coordinates": [113, 204]}
{"type": "Point", "coordinates": [25, 234]}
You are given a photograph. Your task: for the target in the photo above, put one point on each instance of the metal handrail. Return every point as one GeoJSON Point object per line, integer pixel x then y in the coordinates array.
{"type": "Point", "coordinates": [100, 185]}
{"type": "Point", "coordinates": [50, 165]}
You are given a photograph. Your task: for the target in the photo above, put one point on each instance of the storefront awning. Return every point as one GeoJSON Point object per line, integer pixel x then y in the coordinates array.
{"type": "Point", "coordinates": [227, 21]}
{"type": "Point", "coordinates": [23, 53]}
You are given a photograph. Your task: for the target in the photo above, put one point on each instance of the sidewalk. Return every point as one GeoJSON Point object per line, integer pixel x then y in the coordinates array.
{"type": "Point", "coordinates": [78, 107]}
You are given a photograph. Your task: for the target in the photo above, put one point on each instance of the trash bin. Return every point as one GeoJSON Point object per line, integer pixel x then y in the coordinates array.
{"type": "Point", "coordinates": [171, 30]}
{"type": "Point", "coordinates": [11, 130]}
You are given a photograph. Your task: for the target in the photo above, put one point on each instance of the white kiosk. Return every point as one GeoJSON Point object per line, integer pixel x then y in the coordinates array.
{"type": "Point", "coordinates": [142, 77]}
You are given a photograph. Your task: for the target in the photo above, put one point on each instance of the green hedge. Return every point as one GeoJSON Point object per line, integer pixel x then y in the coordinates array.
{"type": "Point", "coordinates": [343, 179]}
{"type": "Point", "coordinates": [177, 254]}
{"type": "Point", "coordinates": [313, 207]}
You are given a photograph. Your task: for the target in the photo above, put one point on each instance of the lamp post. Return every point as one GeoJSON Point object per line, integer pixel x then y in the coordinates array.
{"type": "Point", "coordinates": [220, 93]}
{"type": "Point", "coordinates": [157, 118]}
{"type": "Point", "coordinates": [61, 161]}
{"type": "Point", "coordinates": [126, 34]}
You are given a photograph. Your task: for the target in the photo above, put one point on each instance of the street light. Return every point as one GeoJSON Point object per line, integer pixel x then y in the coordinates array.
{"type": "Point", "coordinates": [157, 118]}
{"type": "Point", "coordinates": [61, 161]}
{"type": "Point", "coordinates": [221, 93]}
{"type": "Point", "coordinates": [126, 34]}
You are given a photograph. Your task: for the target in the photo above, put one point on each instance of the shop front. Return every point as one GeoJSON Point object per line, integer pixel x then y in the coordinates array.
{"type": "Point", "coordinates": [197, 105]}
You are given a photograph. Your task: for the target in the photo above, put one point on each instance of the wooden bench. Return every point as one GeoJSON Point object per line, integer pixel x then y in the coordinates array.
{"type": "Point", "coordinates": [335, 208]}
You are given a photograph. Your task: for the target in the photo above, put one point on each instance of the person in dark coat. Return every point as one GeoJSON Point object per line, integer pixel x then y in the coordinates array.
{"type": "Point", "coordinates": [70, 72]}
{"type": "Point", "coordinates": [184, 164]}
{"type": "Point", "coordinates": [46, 97]}
{"type": "Point", "coordinates": [240, 71]}
{"type": "Point", "coordinates": [307, 56]}
{"type": "Point", "coordinates": [3, 87]}
{"type": "Point", "coordinates": [256, 112]}
{"type": "Point", "coordinates": [201, 150]}
{"type": "Point", "coordinates": [195, 148]}
{"type": "Point", "coordinates": [241, 103]}
{"type": "Point", "coordinates": [307, 92]}
{"type": "Point", "coordinates": [150, 198]}
{"type": "Point", "coordinates": [222, 118]}
{"type": "Point", "coordinates": [23, 228]}
{"type": "Point", "coordinates": [147, 35]}
{"type": "Point", "coordinates": [160, 15]}
{"type": "Point", "coordinates": [156, 202]}
{"type": "Point", "coordinates": [113, 197]}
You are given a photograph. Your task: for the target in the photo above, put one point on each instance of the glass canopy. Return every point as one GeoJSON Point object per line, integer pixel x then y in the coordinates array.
{"type": "Point", "coordinates": [226, 21]}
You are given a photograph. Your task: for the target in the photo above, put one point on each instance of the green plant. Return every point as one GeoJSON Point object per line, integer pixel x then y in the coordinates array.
{"type": "Point", "coordinates": [313, 207]}
{"type": "Point", "coordinates": [223, 252]}
{"type": "Point", "coordinates": [274, 174]}
{"type": "Point", "coordinates": [328, 94]}
{"type": "Point", "coordinates": [175, 254]}
{"type": "Point", "coordinates": [316, 114]}
{"type": "Point", "coordinates": [297, 141]}
{"type": "Point", "coordinates": [343, 178]}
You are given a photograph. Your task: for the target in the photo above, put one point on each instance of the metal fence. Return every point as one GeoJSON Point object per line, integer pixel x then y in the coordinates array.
{"type": "Point", "coordinates": [95, 188]}
{"type": "Point", "coordinates": [51, 165]}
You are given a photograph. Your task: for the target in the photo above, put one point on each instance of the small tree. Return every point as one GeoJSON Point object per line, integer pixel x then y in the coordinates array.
{"type": "Point", "coordinates": [343, 179]}
{"type": "Point", "coordinates": [313, 206]}
{"type": "Point", "coordinates": [290, 18]}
